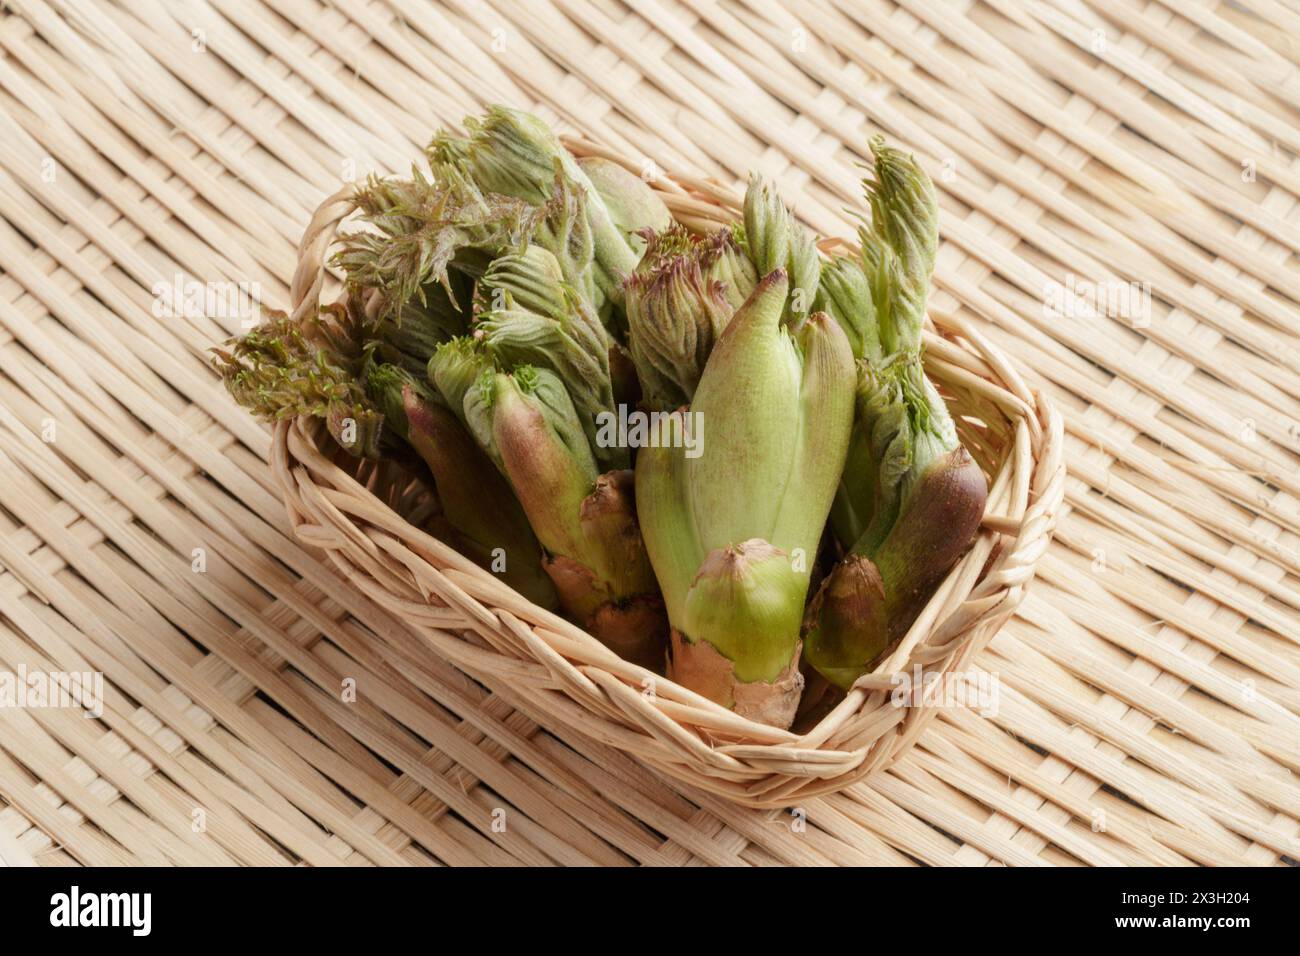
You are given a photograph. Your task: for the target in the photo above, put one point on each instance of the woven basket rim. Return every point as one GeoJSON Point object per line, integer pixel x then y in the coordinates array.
{"type": "Point", "coordinates": [544, 659]}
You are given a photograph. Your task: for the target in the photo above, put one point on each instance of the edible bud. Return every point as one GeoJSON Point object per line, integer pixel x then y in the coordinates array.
{"type": "Point", "coordinates": [678, 302]}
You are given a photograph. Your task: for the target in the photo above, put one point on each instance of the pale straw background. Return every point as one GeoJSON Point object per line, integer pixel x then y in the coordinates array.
{"type": "Point", "coordinates": [1151, 681]}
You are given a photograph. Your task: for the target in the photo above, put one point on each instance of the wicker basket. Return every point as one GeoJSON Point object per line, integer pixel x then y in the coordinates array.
{"type": "Point", "coordinates": [561, 676]}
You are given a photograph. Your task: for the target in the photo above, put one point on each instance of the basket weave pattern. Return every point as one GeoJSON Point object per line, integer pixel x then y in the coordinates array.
{"type": "Point", "coordinates": [356, 513]}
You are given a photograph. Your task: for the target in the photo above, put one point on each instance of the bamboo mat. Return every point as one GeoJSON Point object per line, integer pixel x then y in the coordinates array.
{"type": "Point", "coordinates": [1150, 685]}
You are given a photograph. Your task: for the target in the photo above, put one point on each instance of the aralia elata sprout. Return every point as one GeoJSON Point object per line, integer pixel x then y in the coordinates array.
{"type": "Point", "coordinates": [912, 497]}
{"type": "Point", "coordinates": [489, 524]}
{"type": "Point", "coordinates": [312, 366]}
{"type": "Point", "coordinates": [633, 206]}
{"type": "Point", "coordinates": [586, 520]}
{"type": "Point", "coordinates": [515, 154]}
{"type": "Point", "coordinates": [678, 301]}
{"type": "Point", "coordinates": [733, 533]}
{"type": "Point", "coordinates": [540, 319]}
{"type": "Point", "coordinates": [776, 241]}
{"type": "Point", "coordinates": [423, 229]}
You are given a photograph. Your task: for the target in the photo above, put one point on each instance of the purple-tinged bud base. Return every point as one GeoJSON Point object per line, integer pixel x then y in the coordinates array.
{"type": "Point", "coordinates": [702, 668]}
{"type": "Point", "coordinates": [846, 627]}
{"type": "Point", "coordinates": [868, 604]}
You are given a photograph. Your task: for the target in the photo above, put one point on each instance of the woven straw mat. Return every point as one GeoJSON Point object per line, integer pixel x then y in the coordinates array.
{"type": "Point", "coordinates": [1119, 201]}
